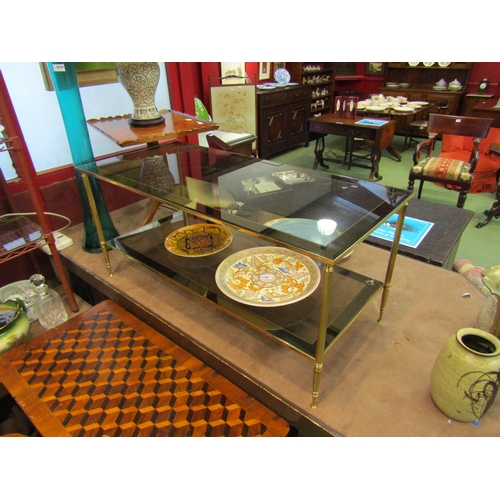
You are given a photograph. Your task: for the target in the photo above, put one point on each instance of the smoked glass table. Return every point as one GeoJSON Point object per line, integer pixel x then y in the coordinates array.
{"type": "Point", "coordinates": [315, 216]}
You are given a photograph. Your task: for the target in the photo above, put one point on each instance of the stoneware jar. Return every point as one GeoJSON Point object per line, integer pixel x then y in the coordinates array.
{"type": "Point", "coordinates": [465, 376]}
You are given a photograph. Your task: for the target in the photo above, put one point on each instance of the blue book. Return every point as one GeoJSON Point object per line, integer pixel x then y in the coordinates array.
{"type": "Point", "coordinates": [371, 121]}
{"type": "Point", "coordinates": [414, 230]}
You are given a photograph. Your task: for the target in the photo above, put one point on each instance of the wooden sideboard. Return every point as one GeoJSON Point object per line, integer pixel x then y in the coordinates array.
{"type": "Point", "coordinates": [488, 109]}
{"type": "Point", "coordinates": [282, 118]}
{"type": "Point", "coordinates": [421, 77]}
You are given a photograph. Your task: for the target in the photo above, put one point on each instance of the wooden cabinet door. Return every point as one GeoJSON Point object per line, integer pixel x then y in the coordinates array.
{"type": "Point", "coordinates": [272, 131]}
{"type": "Point", "coordinates": [297, 116]}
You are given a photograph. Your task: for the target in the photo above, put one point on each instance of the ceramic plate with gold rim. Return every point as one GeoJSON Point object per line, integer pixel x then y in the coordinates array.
{"type": "Point", "coordinates": [198, 240]}
{"type": "Point", "coordinates": [267, 276]}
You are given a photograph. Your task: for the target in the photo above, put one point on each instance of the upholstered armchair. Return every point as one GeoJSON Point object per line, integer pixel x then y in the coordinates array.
{"type": "Point", "coordinates": [454, 171]}
{"type": "Point", "coordinates": [485, 177]}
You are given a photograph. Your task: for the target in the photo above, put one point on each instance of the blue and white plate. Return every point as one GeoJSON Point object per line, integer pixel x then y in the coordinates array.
{"type": "Point", "coordinates": [281, 75]}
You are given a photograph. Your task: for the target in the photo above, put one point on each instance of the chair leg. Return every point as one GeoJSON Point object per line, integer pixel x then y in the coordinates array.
{"type": "Point", "coordinates": [420, 187]}
{"type": "Point", "coordinates": [462, 196]}
{"type": "Point", "coordinates": [411, 183]}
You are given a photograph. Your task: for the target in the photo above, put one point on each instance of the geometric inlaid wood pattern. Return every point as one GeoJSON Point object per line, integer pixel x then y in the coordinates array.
{"type": "Point", "coordinates": [106, 373]}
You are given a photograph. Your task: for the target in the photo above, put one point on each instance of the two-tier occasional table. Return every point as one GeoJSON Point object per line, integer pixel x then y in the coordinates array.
{"type": "Point", "coordinates": [262, 203]}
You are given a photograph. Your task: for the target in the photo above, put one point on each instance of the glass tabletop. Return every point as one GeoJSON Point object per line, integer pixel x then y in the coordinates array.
{"type": "Point", "coordinates": [317, 212]}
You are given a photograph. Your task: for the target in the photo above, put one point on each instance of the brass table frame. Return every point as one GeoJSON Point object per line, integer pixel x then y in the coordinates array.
{"type": "Point", "coordinates": [327, 272]}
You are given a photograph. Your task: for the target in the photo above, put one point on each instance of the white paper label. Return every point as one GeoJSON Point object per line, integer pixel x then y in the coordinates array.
{"type": "Point", "coordinates": [58, 67]}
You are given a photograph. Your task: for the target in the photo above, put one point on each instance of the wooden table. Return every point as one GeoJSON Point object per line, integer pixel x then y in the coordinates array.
{"type": "Point", "coordinates": [381, 137]}
{"type": "Point", "coordinates": [439, 246]}
{"type": "Point", "coordinates": [106, 373]}
{"type": "Point", "coordinates": [176, 125]}
{"type": "Point", "coordinates": [488, 109]}
{"type": "Point", "coordinates": [402, 118]}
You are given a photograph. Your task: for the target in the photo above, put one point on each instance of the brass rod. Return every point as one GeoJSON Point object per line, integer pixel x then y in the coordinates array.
{"type": "Point", "coordinates": [392, 260]}
{"type": "Point", "coordinates": [97, 221]}
{"type": "Point", "coordinates": [326, 288]}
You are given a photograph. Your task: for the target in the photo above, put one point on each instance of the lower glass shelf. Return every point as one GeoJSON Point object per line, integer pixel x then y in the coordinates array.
{"type": "Point", "coordinates": [295, 325]}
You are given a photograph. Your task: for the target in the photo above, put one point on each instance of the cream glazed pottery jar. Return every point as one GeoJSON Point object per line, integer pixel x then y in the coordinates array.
{"type": "Point", "coordinates": [140, 80]}
{"type": "Point", "coordinates": [465, 377]}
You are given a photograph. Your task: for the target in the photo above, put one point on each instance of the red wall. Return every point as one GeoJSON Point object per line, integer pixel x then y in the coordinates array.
{"type": "Point", "coordinates": [188, 80]}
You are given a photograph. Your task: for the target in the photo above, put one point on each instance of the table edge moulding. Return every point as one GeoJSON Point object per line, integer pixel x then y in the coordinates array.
{"type": "Point", "coordinates": [209, 180]}
{"type": "Point", "coordinates": [176, 125]}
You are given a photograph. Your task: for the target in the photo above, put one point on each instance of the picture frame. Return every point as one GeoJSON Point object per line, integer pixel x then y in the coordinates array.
{"type": "Point", "coordinates": [87, 74]}
{"type": "Point", "coordinates": [264, 70]}
{"type": "Point", "coordinates": [375, 68]}
{"type": "Point", "coordinates": [346, 69]}
{"type": "Point", "coordinates": [232, 73]}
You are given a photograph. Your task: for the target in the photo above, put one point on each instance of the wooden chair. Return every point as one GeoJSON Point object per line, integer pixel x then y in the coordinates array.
{"type": "Point", "coordinates": [446, 171]}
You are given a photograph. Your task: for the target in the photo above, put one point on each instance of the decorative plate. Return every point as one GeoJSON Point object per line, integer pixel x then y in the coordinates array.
{"type": "Point", "coordinates": [198, 240]}
{"type": "Point", "coordinates": [443, 65]}
{"type": "Point", "coordinates": [412, 64]}
{"type": "Point", "coordinates": [267, 276]}
{"type": "Point", "coordinates": [268, 86]}
{"type": "Point", "coordinates": [403, 109]}
{"type": "Point", "coordinates": [376, 108]}
{"type": "Point", "coordinates": [429, 64]}
{"type": "Point", "coordinates": [420, 103]}
{"type": "Point", "coordinates": [281, 75]}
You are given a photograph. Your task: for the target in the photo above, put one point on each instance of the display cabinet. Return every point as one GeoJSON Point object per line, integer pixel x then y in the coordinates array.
{"type": "Point", "coordinates": [319, 77]}
{"type": "Point", "coordinates": [260, 240]}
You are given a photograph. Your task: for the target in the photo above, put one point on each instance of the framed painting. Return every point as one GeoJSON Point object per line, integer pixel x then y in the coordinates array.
{"type": "Point", "coordinates": [264, 70]}
{"type": "Point", "coordinates": [87, 74]}
{"type": "Point", "coordinates": [346, 68]}
{"type": "Point", "coordinates": [232, 73]}
{"type": "Point", "coordinates": [375, 68]}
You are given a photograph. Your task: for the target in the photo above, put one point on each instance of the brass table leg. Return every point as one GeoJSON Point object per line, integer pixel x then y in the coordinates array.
{"type": "Point", "coordinates": [97, 222]}
{"type": "Point", "coordinates": [323, 325]}
{"type": "Point", "coordinates": [392, 260]}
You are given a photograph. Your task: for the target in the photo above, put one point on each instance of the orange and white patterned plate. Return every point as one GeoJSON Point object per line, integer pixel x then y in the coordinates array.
{"type": "Point", "coordinates": [267, 276]}
{"type": "Point", "coordinates": [198, 240]}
